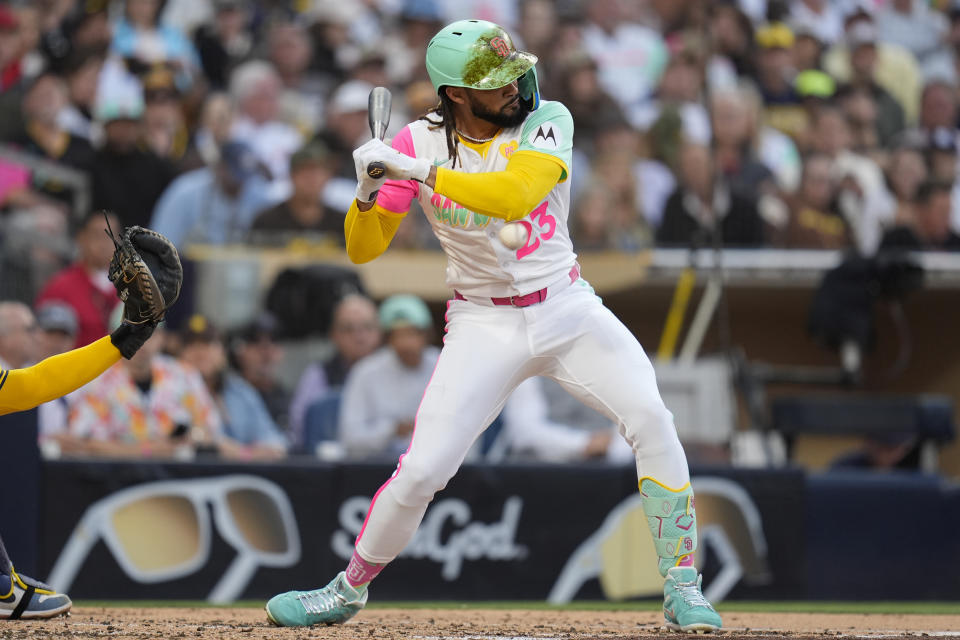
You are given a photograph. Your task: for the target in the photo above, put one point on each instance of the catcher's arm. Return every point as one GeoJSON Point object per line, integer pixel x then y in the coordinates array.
{"type": "Point", "coordinates": [22, 389]}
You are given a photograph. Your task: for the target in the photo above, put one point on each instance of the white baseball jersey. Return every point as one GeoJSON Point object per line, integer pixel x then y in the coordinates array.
{"type": "Point", "coordinates": [477, 262]}
{"type": "Point", "coordinates": [489, 349]}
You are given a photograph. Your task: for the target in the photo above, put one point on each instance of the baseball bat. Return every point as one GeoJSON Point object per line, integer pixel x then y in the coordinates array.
{"type": "Point", "coordinates": [378, 116]}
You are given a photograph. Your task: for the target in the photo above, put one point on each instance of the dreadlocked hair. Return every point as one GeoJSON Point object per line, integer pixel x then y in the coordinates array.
{"type": "Point", "coordinates": [442, 116]}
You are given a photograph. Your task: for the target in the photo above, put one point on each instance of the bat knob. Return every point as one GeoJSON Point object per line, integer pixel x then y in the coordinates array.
{"type": "Point", "coordinates": [376, 170]}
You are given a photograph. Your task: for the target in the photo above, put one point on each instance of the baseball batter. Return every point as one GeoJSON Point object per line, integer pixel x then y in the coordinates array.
{"type": "Point", "coordinates": [493, 153]}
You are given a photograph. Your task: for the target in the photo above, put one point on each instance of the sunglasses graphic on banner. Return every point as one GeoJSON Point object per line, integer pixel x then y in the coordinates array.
{"type": "Point", "coordinates": [160, 531]}
{"type": "Point", "coordinates": [621, 555]}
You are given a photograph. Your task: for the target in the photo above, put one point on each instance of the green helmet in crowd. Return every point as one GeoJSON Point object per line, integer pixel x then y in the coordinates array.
{"type": "Point", "coordinates": [480, 55]}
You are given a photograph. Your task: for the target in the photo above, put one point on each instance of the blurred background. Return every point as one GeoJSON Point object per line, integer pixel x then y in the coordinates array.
{"type": "Point", "coordinates": [764, 191]}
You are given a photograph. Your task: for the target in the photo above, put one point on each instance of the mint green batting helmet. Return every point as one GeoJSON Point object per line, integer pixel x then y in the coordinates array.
{"type": "Point", "coordinates": [480, 55]}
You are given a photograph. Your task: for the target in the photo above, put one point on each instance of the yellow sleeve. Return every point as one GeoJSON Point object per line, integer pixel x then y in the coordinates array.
{"type": "Point", "coordinates": [368, 233]}
{"type": "Point", "coordinates": [22, 389]}
{"type": "Point", "coordinates": [509, 194]}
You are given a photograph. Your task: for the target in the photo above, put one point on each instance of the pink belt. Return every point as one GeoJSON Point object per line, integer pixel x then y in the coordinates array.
{"type": "Point", "coordinates": [526, 300]}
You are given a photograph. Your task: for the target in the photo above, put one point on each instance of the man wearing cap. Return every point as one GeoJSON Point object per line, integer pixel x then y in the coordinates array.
{"type": "Point", "coordinates": [347, 122]}
{"type": "Point", "coordinates": [492, 154]}
{"type": "Point", "coordinates": [257, 357]}
{"type": "Point", "coordinates": [782, 104]}
{"type": "Point", "coordinates": [214, 205]}
{"type": "Point", "coordinates": [896, 69]}
{"type": "Point", "coordinates": [383, 390]}
{"type": "Point", "coordinates": [57, 324]}
{"type": "Point", "coordinates": [304, 212]}
{"type": "Point", "coordinates": [249, 430]}
{"type": "Point", "coordinates": [126, 178]}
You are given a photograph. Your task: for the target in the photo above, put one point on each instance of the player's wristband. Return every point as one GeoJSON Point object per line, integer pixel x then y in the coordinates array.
{"type": "Point", "coordinates": [128, 338]}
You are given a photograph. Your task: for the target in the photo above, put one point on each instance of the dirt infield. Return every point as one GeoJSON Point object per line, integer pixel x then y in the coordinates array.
{"type": "Point", "coordinates": [466, 624]}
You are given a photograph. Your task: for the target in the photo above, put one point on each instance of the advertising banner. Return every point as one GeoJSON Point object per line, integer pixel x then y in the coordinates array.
{"type": "Point", "coordinates": [222, 532]}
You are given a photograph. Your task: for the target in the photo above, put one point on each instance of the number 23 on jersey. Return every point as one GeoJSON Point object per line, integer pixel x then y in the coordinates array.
{"type": "Point", "coordinates": [546, 225]}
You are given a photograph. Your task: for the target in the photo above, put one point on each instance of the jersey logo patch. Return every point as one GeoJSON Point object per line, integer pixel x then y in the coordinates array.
{"type": "Point", "coordinates": [546, 136]}
{"type": "Point", "coordinates": [507, 149]}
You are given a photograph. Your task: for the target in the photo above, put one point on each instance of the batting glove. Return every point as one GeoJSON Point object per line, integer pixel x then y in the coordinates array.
{"type": "Point", "coordinates": [399, 165]}
{"type": "Point", "coordinates": [367, 187]}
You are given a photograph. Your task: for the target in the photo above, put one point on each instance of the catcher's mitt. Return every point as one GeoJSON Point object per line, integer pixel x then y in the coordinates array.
{"type": "Point", "coordinates": [146, 271]}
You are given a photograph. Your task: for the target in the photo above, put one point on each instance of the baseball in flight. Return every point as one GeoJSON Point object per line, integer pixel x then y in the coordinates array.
{"type": "Point", "coordinates": [513, 235]}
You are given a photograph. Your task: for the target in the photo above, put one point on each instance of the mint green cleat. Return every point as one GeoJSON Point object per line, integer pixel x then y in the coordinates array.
{"type": "Point", "coordinates": [684, 607]}
{"type": "Point", "coordinates": [334, 604]}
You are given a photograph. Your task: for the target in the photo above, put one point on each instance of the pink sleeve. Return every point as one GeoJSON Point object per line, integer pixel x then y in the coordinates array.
{"type": "Point", "coordinates": [396, 195]}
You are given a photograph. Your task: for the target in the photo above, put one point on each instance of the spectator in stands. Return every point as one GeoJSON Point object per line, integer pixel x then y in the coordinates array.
{"type": "Point", "coordinates": [303, 91]}
{"type": "Point", "coordinates": [529, 433]}
{"type": "Point", "coordinates": [383, 391]}
{"type": "Point", "coordinates": [914, 25]}
{"type": "Point", "coordinates": [355, 334]}
{"type": "Point", "coordinates": [628, 229]}
{"type": "Point", "coordinates": [822, 15]}
{"type": "Point", "coordinates": [734, 144]}
{"type": "Point", "coordinates": [703, 203]}
{"type": "Point", "coordinates": [679, 88]}
{"type": "Point", "coordinates": [418, 21]}
{"type": "Point", "coordinates": [255, 88]}
{"type": "Point", "coordinates": [18, 335]}
{"type": "Point", "coordinates": [126, 178]}
{"type": "Point", "coordinates": [579, 89]}
{"type": "Point", "coordinates": [58, 326]}
{"type": "Point", "coordinates": [347, 124]}
{"type": "Point", "coordinates": [537, 27]}
{"type": "Point", "coordinates": [782, 105]}
{"type": "Point", "coordinates": [630, 57]}
{"type": "Point", "coordinates": [807, 46]}
{"type": "Point", "coordinates": [906, 171]}
{"type": "Point", "coordinates": [815, 222]}
{"type": "Point", "coordinates": [863, 198]}
{"type": "Point", "coordinates": [213, 130]}
{"type": "Point", "coordinates": [214, 205]}
{"type": "Point", "coordinates": [256, 356]}
{"type": "Point", "coordinates": [895, 67]}
{"type": "Point", "coordinates": [304, 213]}
{"type": "Point", "coordinates": [165, 130]}
{"type": "Point", "coordinates": [246, 420]}
{"type": "Point", "coordinates": [81, 70]}
{"type": "Point", "coordinates": [941, 151]}
{"type": "Point", "coordinates": [11, 51]}
{"type": "Point", "coordinates": [84, 286]}
{"type": "Point", "coordinates": [225, 43]}
{"type": "Point", "coordinates": [148, 406]}
{"type": "Point", "coordinates": [732, 37]}
{"type": "Point", "coordinates": [930, 227]}
{"type": "Point", "coordinates": [938, 108]}
{"type": "Point", "coordinates": [592, 224]}
{"type": "Point", "coordinates": [864, 57]}
{"type": "Point", "coordinates": [44, 136]}
{"type": "Point", "coordinates": [87, 25]}
{"type": "Point", "coordinates": [140, 35]}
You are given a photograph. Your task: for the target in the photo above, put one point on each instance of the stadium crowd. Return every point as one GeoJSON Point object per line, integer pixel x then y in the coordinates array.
{"type": "Point", "coordinates": [825, 124]}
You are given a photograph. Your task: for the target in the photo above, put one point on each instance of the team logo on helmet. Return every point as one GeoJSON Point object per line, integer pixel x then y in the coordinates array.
{"type": "Point", "coordinates": [500, 46]}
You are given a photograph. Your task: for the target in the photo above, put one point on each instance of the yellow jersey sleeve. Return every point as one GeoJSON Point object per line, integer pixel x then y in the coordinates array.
{"type": "Point", "coordinates": [510, 194]}
{"type": "Point", "coordinates": [22, 389]}
{"type": "Point", "coordinates": [368, 233]}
